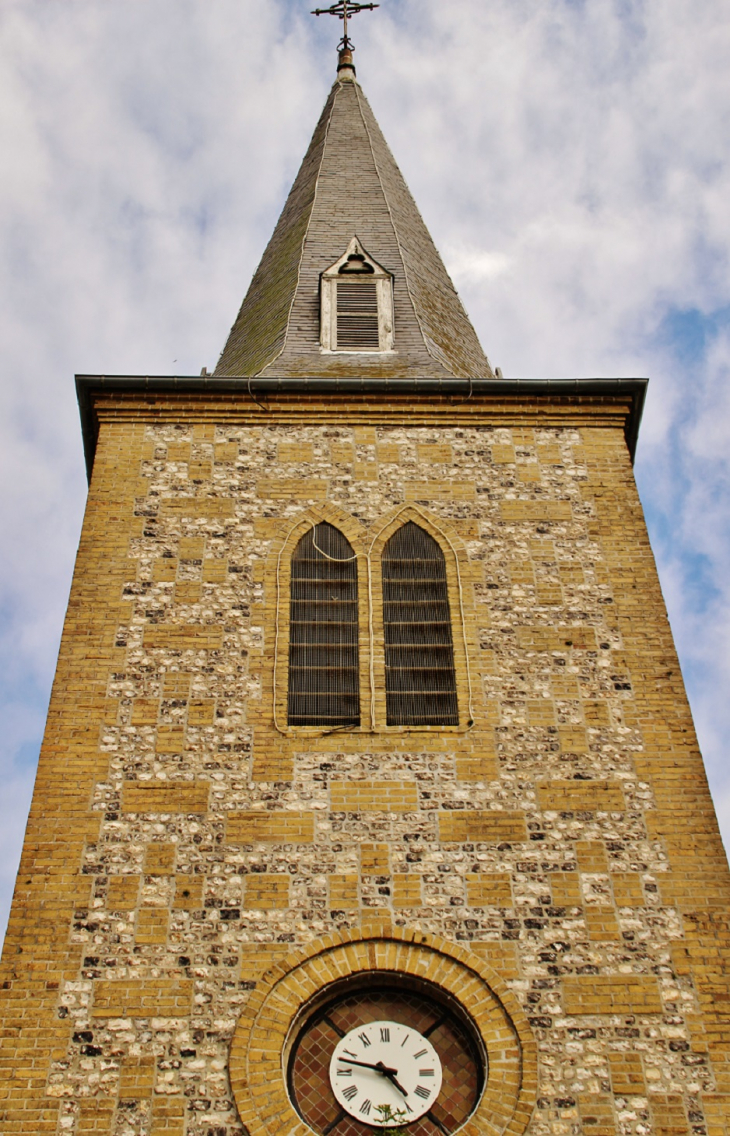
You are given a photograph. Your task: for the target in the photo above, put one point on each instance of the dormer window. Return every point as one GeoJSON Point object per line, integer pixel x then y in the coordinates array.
{"type": "Point", "coordinates": [356, 304]}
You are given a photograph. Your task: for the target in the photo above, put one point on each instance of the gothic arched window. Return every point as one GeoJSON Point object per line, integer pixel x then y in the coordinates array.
{"type": "Point", "coordinates": [420, 679]}
{"type": "Point", "coordinates": [324, 687]}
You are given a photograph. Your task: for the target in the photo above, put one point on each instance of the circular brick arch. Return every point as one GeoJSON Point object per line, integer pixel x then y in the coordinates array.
{"type": "Point", "coordinates": [263, 1030]}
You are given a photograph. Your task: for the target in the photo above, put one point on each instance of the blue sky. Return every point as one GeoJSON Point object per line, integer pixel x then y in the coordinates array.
{"type": "Point", "coordinates": [570, 159]}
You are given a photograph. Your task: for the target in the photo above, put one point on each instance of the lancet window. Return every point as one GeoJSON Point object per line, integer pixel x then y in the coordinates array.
{"type": "Point", "coordinates": [323, 631]}
{"type": "Point", "coordinates": [420, 677]}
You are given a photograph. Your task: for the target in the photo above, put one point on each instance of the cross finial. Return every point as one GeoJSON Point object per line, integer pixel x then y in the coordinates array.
{"type": "Point", "coordinates": [345, 9]}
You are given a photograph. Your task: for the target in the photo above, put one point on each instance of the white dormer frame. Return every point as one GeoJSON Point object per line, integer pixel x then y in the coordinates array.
{"type": "Point", "coordinates": [356, 266]}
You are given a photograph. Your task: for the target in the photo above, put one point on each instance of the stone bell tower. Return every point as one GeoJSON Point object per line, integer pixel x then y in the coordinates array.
{"type": "Point", "coordinates": [369, 795]}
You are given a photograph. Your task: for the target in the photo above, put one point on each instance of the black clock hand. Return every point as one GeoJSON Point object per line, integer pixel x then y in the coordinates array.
{"type": "Point", "coordinates": [391, 1077]}
{"type": "Point", "coordinates": [379, 1068]}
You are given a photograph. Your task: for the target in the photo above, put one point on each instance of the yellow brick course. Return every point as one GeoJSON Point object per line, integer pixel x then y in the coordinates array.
{"type": "Point", "coordinates": [267, 891]}
{"type": "Point", "coordinates": [191, 548]}
{"type": "Point", "coordinates": [176, 684]}
{"type": "Point", "coordinates": [627, 889]}
{"type": "Point", "coordinates": [591, 856]}
{"type": "Point", "coordinates": [627, 1074]}
{"type": "Point", "coordinates": [215, 571]}
{"type": "Point", "coordinates": [144, 998]}
{"type": "Point", "coordinates": [225, 451]}
{"type": "Point", "coordinates": [375, 859]}
{"type": "Point", "coordinates": [439, 491]}
{"type": "Point", "coordinates": [95, 1116]}
{"type": "Point", "coordinates": [434, 452]}
{"type": "Point", "coordinates": [566, 890]}
{"type": "Point", "coordinates": [183, 637]}
{"type": "Point", "coordinates": [199, 508]}
{"type": "Point", "coordinates": [374, 796]}
{"type": "Point", "coordinates": [151, 925]}
{"type": "Point", "coordinates": [270, 827]}
{"type": "Point", "coordinates": [716, 1107]}
{"type": "Point", "coordinates": [669, 1117]}
{"type": "Point", "coordinates": [173, 797]}
{"type": "Point", "coordinates": [292, 489]}
{"type": "Point", "coordinates": [581, 796]}
{"type": "Point", "coordinates": [343, 891]}
{"type": "Point", "coordinates": [597, 1114]}
{"type": "Point", "coordinates": [159, 859]}
{"type": "Point", "coordinates": [168, 1116]}
{"type": "Point", "coordinates": [407, 890]}
{"type": "Point", "coordinates": [170, 740]}
{"type": "Point", "coordinates": [601, 923]}
{"type": "Point", "coordinates": [137, 1078]}
{"type": "Point", "coordinates": [145, 711]}
{"type": "Point", "coordinates": [474, 824]}
{"type": "Point", "coordinates": [611, 994]}
{"type": "Point", "coordinates": [188, 891]}
{"type": "Point", "coordinates": [489, 889]}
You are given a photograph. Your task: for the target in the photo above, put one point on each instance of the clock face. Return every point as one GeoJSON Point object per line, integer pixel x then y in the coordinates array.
{"type": "Point", "coordinates": [428, 1032]}
{"type": "Point", "coordinates": [385, 1073]}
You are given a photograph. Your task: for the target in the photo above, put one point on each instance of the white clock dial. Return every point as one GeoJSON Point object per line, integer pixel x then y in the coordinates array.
{"type": "Point", "coordinates": [385, 1068]}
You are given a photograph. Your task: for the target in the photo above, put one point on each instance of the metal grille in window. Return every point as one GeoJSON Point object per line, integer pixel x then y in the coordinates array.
{"type": "Point", "coordinates": [324, 687]}
{"type": "Point", "coordinates": [357, 316]}
{"type": "Point", "coordinates": [420, 681]}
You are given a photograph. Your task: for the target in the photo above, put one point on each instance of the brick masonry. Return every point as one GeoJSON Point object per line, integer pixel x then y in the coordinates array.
{"type": "Point", "coordinates": [182, 844]}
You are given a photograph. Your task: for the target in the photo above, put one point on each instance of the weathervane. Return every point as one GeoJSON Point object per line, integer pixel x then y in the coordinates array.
{"type": "Point", "coordinates": [345, 9]}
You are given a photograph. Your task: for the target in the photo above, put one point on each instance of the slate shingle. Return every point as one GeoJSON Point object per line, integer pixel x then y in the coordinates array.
{"type": "Point", "coordinates": [349, 185]}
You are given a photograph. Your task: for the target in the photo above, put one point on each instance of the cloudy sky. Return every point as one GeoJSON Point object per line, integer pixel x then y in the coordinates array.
{"type": "Point", "coordinates": [569, 156]}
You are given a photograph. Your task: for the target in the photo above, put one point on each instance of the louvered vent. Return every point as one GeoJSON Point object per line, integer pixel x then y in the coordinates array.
{"type": "Point", "coordinates": [323, 632]}
{"type": "Point", "coordinates": [420, 680]}
{"type": "Point", "coordinates": [357, 316]}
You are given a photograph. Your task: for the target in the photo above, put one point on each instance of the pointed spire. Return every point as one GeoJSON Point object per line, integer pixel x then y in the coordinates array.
{"type": "Point", "coordinates": [350, 188]}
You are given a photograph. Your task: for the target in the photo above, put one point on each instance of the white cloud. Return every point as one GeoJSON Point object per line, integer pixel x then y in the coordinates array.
{"type": "Point", "coordinates": [569, 157]}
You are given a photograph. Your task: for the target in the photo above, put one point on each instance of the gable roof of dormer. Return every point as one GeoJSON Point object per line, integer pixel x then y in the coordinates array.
{"type": "Point", "coordinates": [349, 183]}
{"type": "Point", "coordinates": [355, 261]}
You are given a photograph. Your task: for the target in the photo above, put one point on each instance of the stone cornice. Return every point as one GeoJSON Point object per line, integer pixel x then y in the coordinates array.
{"type": "Point", "coordinates": [551, 401]}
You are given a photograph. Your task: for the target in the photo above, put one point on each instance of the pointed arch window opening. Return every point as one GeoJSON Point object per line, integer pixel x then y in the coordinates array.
{"type": "Point", "coordinates": [356, 304]}
{"type": "Point", "coordinates": [324, 663]}
{"type": "Point", "coordinates": [420, 675]}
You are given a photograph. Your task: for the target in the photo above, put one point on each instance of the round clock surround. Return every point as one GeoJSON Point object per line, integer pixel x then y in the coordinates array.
{"type": "Point", "coordinates": [273, 1015]}
{"type": "Point", "coordinates": [424, 1024]}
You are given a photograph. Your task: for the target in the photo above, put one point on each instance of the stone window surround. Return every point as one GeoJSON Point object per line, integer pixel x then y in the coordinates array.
{"type": "Point", "coordinates": [383, 281]}
{"type": "Point", "coordinates": [373, 717]}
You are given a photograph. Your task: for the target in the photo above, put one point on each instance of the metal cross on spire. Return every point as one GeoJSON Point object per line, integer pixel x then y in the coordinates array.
{"type": "Point", "coordinates": [345, 9]}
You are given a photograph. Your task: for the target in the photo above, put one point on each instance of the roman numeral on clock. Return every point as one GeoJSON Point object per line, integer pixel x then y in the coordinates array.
{"type": "Point", "coordinates": [365, 1039]}
{"type": "Point", "coordinates": [365, 1107]}
{"type": "Point", "coordinates": [424, 1094]}
{"type": "Point", "coordinates": [350, 1092]}
{"type": "Point", "coordinates": [421, 1053]}
{"type": "Point", "coordinates": [384, 1034]}
{"type": "Point", "coordinates": [425, 1072]}
{"type": "Point", "coordinates": [344, 1072]}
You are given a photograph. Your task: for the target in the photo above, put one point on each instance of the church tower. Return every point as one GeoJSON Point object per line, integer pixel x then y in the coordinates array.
{"type": "Point", "coordinates": [369, 796]}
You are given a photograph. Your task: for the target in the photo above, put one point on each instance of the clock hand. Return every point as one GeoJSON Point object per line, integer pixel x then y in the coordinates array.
{"type": "Point", "coordinates": [391, 1077]}
{"type": "Point", "coordinates": [379, 1068]}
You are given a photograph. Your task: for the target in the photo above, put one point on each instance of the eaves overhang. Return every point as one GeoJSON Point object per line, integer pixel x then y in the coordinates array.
{"type": "Point", "coordinates": [87, 386]}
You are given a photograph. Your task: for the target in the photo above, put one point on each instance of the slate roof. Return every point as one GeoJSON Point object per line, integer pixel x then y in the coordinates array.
{"type": "Point", "coordinates": [349, 185]}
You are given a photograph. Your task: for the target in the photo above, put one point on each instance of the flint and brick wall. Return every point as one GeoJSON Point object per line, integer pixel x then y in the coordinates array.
{"type": "Point", "coordinates": [179, 844]}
